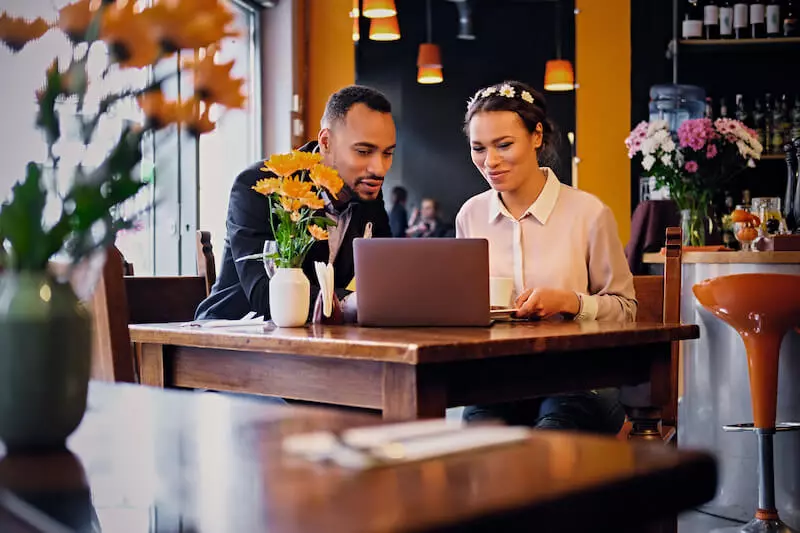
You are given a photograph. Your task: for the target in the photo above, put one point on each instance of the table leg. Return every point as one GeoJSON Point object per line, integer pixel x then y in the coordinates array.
{"type": "Point", "coordinates": [411, 392]}
{"type": "Point", "coordinates": [646, 420]}
{"type": "Point", "coordinates": [151, 364]}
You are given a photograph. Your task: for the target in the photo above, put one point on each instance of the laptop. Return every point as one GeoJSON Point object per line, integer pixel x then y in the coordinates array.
{"type": "Point", "coordinates": [422, 282]}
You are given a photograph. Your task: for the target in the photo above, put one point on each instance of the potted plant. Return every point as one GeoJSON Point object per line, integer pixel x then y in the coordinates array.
{"type": "Point", "coordinates": [694, 163]}
{"type": "Point", "coordinates": [45, 345]}
{"type": "Point", "coordinates": [294, 188]}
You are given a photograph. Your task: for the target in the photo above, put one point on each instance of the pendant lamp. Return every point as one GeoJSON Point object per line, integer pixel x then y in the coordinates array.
{"type": "Point", "coordinates": [558, 73]}
{"type": "Point", "coordinates": [429, 59]}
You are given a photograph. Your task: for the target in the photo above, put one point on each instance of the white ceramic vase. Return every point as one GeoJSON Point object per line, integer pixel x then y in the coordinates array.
{"type": "Point", "coordinates": [289, 294]}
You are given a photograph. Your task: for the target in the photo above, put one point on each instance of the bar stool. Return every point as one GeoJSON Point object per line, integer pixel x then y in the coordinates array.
{"type": "Point", "coordinates": [762, 308]}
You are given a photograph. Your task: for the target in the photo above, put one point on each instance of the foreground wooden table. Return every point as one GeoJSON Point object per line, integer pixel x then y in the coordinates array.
{"type": "Point", "coordinates": [410, 373]}
{"type": "Point", "coordinates": [146, 460]}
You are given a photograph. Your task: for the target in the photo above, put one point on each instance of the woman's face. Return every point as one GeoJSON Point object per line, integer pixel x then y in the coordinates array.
{"type": "Point", "coordinates": [502, 149]}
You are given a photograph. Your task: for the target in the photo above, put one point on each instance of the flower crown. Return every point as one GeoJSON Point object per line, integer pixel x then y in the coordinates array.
{"type": "Point", "coordinates": [505, 90]}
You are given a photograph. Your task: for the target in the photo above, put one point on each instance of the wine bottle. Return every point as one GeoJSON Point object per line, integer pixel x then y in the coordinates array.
{"type": "Point", "coordinates": [692, 21]}
{"type": "Point", "coordinates": [741, 113]}
{"type": "Point", "coordinates": [711, 19]}
{"type": "Point", "coordinates": [795, 131]}
{"type": "Point", "coordinates": [773, 19]}
{"type": "Point", "coordinates": [758, 28]}
{"type": "Point", "coordinates": [758, 122]}
{"type": "Point", "coordinates": [778, 127]}
{"type": "Point", "coordinates": [768, 129]}
{"type": "Point", "coordinates": [726, 20]}
{"type": "Point", "coordinates": [740, 12]}
{"type": "Point", "coordinates": [790, 28]}
{"type": "Point", "coordinates": [709, 110]}
{"type": "Point", "coordinates": [789, 214]}
{"type": "Point", "coordinates": [796, 166]}
{"type": "Point", "coordinates": [723, 108]}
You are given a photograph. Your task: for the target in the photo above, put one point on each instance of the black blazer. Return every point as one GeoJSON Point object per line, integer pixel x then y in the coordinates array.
{"type": "Point", "coordinates": [243, 287]}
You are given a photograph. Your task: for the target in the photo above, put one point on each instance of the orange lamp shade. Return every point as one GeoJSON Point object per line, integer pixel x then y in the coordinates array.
{"type": "Point", "coordinates": [429, 55]}
{"type": "Point", "coordinates": [376, 9]}
{"type": "Point", "coordinates": [558, 75]}
{"type": "Point", "coordinates": [384, 29]}
{"type": "Point", "coordinates": [429, 75]}
{"type": "Point", "coordinates": [356, 30]}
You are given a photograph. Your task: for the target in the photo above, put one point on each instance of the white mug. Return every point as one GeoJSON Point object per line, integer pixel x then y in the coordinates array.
{"type": "Point", "coordinates": [500, 292]}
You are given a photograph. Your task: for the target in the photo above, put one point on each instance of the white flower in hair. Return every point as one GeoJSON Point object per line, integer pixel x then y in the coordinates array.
{"type": "Point", "coordinates": [489, 91]}
{"type": "Point", "coordinates": [528, 97]}
{"type": "Point", "coordinates": [507, 91]}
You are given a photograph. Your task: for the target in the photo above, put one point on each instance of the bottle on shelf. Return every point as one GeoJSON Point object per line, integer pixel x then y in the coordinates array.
{"type": "Point", "coordinates": [692, 27]}
{"type": "Point", "coordinates": [711, 20]}
{"type": "Point", "coordinates": [723, 108]}
{"type": "Point", "coordinates": [741, 113]}
{"type": "Point", "coordinates": [740, 12]}
{"type": "Point", "coordinates": [746, 198]}
{"type": "Point", "coordinates": [773, 16]}
{"type": "Point", "coordinates": [726, 20]}
{"type": "Point", "coordinates": [768, 124]}
{"type": "Point", "coordinates": [758, 122]}
{"type": "Point", "coordinates": [709, 109]}
{"type": "Point", "coordinates": [758, 29]}
{"type": "Point", "coordinates": [790, 27]}
{"type": "Point", "coordinates": [728, 238]}
{"type": "Point", "coordinates": [789, 214]}
{"type": "Point", "coordinates": [778, 127]}
{"type": "Point", "coordinates": [795, 131]}
{"type": "Point", "coordinates": [786, 125]}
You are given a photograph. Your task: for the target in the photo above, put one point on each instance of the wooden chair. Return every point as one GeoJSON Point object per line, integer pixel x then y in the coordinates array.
{"type": "Point", "coordinates": [120, 300]}
{"type": "Point", "coordinates": [659, 300]}
{"type": "Point", "coordinates": [206, 267]}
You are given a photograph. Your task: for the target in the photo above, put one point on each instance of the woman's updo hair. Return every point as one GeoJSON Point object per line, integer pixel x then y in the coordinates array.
{"type": "Point", "coordinates": [518, 98]}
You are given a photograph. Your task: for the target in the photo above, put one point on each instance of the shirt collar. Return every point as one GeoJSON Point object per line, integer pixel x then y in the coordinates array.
{"type": "Point", "coordinates": [540, 209]}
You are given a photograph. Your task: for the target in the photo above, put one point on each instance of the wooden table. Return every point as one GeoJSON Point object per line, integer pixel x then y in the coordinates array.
{"type": "Point", "coordinates": [147, 460]}
{"type": "Point", "coordinates": [410, 373]}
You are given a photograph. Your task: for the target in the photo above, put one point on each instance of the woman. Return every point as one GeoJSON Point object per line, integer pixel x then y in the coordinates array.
{"type": "Point", "coordinates": [558, 244]}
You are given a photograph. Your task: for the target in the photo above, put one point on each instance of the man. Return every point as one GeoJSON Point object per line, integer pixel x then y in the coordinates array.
{"type": "Point", "coordinates": [398, 216]}
{"type": "Point", "coordinates": [357, 138]}
{"type": "Point", "coordinates": [425, 222]}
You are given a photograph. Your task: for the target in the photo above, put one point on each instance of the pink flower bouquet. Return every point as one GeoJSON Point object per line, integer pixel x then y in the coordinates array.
{"type": "Point", "coordinates": [695, 163]}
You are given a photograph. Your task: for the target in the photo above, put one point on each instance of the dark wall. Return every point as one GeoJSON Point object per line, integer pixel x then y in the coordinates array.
{"type": "Point", "coordinates": [514, 40]}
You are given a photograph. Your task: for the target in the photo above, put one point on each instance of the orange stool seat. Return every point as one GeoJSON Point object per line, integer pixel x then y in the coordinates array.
{"type": "Point", "coordinates": [762, 308]}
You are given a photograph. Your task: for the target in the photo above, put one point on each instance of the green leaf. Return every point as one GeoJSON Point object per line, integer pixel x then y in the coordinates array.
{"type": "Point", "coordinates": [322, 222]}
{"type": "Point", "coordinates": [21, 222]}
{"type": "Point", "coordinates": [47, 117]}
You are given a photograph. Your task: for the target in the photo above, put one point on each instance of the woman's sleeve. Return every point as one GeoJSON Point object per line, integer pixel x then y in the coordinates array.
{"type": "Point", "coordinates": [611, 295]}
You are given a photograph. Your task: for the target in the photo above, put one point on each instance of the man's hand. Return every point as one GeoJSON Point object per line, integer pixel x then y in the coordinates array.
{"type": "Point", "coordinates": [543, 303]}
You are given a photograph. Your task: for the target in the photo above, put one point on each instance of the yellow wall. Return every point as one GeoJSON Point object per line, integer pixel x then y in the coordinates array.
{"type": "Point", "coordinates": [603, 100]}
{"type": "Point", "coordinates": [331, 55]}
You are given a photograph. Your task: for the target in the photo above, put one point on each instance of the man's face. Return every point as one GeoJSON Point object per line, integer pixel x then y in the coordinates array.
{"type": "Point", "coordinates": [360, 147]}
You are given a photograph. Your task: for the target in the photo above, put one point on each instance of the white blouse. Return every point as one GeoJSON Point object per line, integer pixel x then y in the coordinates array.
{"type": "Point", "coordinates": [567, 239]}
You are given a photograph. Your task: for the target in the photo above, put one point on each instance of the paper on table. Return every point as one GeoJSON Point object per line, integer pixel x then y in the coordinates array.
{"type": "Point", "coordinates": [249, 319]}
{"type": "Point", "coordinates": [326, 286]}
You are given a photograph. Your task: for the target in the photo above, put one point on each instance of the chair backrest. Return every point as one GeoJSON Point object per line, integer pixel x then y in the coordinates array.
{"type": "Point", "coordinates": [121, 300]}
{"type": "Point", "coordinates": [659, 300]}
{"type": "Point", "coordinates": [206, 268]}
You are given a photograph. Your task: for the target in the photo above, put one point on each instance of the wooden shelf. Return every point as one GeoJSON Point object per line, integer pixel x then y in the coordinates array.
{"type": "Point", "coordinates": [740, 45]}
{"type": "Point", "coordinates": [771, 157]}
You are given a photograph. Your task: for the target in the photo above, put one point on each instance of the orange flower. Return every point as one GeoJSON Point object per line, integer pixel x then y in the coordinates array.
{"type": "Point", "coordinates": [267, 186]}
{"type": "Point", "coordinates": [295, 216]}
{"type": "Point", "coordinates": [159, 112]}
{"type": "Point", "coordinates": [312, 201]}
{"type": "Point", "coordinates": [327, 178]}
{"type": "Point", "coordinates": [17, 32]}
{"type": "Point", "coordinates": [294, 188]}
{"type": "Point", "coordinates": [190, 24]}
{"type": "Point", "coordinates": [195, 122]}
{"type": "Point", "coordinates": [318, 233]}
{"type": "Point", "coordinates": [74, 19]}
{"type": "Point", "coordinates": [281, 164]}
{"type": "Point", "coordinates": [128, 36]}
{"type": "Point", "coordinates": [290, 204]}
{"type": "Point", "coordinates": [213, 83]}
{"type": "Point", "coordinates": [306, 160]}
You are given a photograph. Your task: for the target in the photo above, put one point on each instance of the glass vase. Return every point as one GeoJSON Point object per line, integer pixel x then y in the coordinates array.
{"type": "Point", "coordinates": [693, 227]}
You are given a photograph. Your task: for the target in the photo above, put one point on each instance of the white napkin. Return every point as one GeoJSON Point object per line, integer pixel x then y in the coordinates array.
{"type": "Point", "coordinates": [325, 277]}
{"type": "Point", "coordinates": [250, 319]}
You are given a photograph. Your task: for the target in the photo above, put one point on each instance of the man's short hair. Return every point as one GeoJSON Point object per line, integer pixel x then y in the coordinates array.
{"type": "Point", "coordinates": [342, 100]}
{"type": "Point", "coordinates": [400, 194]}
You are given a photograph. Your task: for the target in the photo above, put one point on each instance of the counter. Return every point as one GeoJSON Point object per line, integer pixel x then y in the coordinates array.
{"type": "Point", "coordinates": [715, 389]}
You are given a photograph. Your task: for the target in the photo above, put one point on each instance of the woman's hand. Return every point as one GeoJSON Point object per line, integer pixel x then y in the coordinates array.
{"type": "Point", "coordinates": [543, 303]}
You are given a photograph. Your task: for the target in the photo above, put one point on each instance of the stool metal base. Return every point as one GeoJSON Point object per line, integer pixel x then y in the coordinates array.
{"type": "Point", "coordinates": [758, 526]}
{"type": "Point", "coordinates": [782, 426]}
